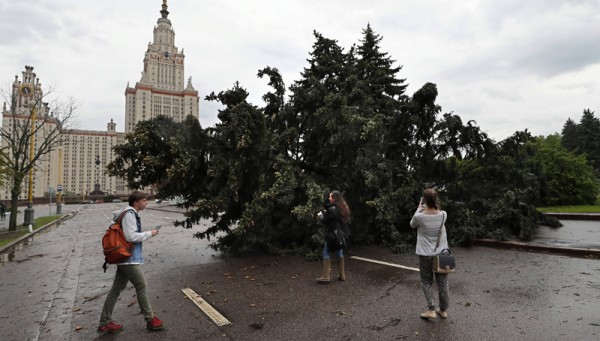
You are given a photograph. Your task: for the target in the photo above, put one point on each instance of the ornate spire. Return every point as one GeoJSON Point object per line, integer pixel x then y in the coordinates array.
{"type": "Point", "coordinates": [164, 11]}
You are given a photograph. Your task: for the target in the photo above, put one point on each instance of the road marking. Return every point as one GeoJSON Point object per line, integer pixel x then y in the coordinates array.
{"type": "Point", "coordinates": [219, 319]}
{"type": "Point", "coordinates": [385, 263]}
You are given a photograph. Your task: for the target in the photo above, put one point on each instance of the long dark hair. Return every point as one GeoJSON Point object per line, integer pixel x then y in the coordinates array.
{"type": "Point", "coordinates": [339, 200]}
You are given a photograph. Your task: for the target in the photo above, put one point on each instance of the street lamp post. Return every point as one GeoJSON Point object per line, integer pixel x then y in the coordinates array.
{"type": "Point", "coordinates": [59, 188]}
{"type": "Point", "coordinates": [96, 176]}
{"type": "Point", "coordinates": [29, 211]}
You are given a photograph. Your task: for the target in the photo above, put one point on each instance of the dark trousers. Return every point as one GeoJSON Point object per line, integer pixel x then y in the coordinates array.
{"type": "Point", "coordinates": [427, 276]}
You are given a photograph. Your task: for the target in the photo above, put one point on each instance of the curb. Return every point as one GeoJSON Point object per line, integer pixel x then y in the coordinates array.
{"type": "Point", "coordinates": [581, 252]}
{"type": "Point", "coordinates": [166, 209]}
{"type": "Point", "coordinates": [17, 241]}
{"type": "Point", "coordinates": [574, 216]}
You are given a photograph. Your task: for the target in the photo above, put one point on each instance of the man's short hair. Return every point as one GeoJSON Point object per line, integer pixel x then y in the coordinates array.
{"type": "Point", "coordinates": [136, 196]}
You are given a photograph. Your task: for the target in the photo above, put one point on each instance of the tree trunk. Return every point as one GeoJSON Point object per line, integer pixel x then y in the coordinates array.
{"type": "Point", "coordinates": [14, 203]}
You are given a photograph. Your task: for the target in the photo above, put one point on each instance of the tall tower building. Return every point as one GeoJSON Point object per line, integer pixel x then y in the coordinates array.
{"type": "Point", "coordinates": [161, 89]}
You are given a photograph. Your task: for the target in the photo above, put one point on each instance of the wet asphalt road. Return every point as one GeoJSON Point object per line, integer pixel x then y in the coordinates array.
{"type": "Point", "coordinates": [54, 288]}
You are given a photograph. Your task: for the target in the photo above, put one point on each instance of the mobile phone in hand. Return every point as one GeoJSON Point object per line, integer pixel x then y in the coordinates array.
{"type": "Point", "coordinates": [158, 227]}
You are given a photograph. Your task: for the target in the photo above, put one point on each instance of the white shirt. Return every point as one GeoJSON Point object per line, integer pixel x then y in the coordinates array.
{"type": "Point", "coordinates": [428, 228]}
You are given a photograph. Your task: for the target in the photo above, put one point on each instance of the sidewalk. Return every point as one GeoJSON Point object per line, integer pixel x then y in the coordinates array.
{"type": "Point", "coordinates": [39, 211]}
{"type": "Point", "coordinates": [66, 211]}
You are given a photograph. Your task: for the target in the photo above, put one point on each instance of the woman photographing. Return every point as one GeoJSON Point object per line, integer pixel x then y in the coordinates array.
{"type": "Point", "coordinates": [429, 220]}
{"type": "Point", "coordinates": [335, 216]}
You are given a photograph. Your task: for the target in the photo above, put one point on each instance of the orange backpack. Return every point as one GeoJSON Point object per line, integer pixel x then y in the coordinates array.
{"type": "Point", "coordinates": [116, 248]}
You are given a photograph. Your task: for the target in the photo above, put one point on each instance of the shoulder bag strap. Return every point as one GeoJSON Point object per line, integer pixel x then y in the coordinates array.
{"type": "Point", "coordinates": [440, 234]}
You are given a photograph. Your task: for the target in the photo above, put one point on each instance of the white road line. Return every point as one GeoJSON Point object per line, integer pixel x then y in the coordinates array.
{"type": "Point", "coordinates": [385, 263]}
{"type": "Point", "coordinates": [211, 312]}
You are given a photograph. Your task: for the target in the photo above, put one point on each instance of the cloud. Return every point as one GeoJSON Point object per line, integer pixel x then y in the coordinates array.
{"type": "Point", "coordinates": [509, 64]}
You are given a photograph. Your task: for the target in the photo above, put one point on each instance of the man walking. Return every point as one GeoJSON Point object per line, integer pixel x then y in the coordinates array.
{"type": "Point", "coordinates": [131, 269]}
{"type": "Point", "coordinates": [2, 210]}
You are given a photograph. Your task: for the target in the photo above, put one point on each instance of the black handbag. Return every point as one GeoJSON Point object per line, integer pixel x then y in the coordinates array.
{"type": "Point", "coordinates": [444, 261]}
{"type": "Point", "coordinates": [336, 239]}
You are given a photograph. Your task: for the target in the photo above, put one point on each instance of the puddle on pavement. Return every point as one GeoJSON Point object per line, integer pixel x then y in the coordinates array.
{"type": "Point", "coordinates": [7, 257]}
{"type": "Point", "coordinates": [9, 254]}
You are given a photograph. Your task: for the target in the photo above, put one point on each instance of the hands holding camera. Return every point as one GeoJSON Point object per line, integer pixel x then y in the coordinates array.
{"type": "Point", "coordinates": [421, 205]}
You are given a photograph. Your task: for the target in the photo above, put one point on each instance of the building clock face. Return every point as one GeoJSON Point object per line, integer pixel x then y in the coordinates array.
{"type": "Point", "coordinates": [26, 90]}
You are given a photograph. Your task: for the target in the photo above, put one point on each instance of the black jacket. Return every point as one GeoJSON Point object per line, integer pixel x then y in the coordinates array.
{"type": "Point", "coordinates": [332, 218]}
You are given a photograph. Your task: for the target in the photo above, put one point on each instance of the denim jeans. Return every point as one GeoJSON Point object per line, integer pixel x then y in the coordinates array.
{"type": "Point", "coordinates": [340, 252]}
{"type": "Point", "coordinates": [127, 273]}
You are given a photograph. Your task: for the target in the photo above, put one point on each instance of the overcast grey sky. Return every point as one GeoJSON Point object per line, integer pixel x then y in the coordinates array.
{"type": "Point", "coordinates": [509, 65]}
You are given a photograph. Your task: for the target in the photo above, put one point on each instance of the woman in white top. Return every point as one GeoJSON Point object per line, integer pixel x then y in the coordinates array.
{"type": "Point", "coordinates": [428, 220]}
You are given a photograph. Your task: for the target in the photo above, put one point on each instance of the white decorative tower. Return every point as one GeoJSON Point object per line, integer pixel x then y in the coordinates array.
{"type": "Point", "coordinates": [161, 90]}
{"type": "Point", "coordinates": [27, 105]}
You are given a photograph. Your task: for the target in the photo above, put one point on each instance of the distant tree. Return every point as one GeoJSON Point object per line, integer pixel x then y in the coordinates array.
{"type": "Point", "coordinates": [48, 123]}
{"type": "Point", "coordinates": [571, 135]}
{"type": "Point", "coordinates": [589, 128]}
{"type": "Point", "coordinates": [584, 137]}
{"type": "Point", "coordinates": [567, 179]}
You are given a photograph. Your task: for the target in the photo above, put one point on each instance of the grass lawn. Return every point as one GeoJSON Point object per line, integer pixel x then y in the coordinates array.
{"type": "Point", "coordinates": [571, 209]}
{"type": "Point", "coordinates": [9, 237]}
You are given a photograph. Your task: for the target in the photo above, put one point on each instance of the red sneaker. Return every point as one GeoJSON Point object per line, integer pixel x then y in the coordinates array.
{"type": "Point", "coordinates": [111, 327]}
{"type": "Point", "coordinates": [155, 324]}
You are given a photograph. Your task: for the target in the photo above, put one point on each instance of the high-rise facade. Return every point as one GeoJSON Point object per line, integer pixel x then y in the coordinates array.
{"type": "Point", "coordinates": [79, 164]}
{"type": "Point", "coordinates": [85, 154]}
